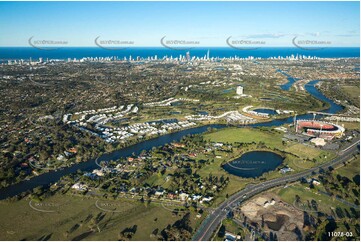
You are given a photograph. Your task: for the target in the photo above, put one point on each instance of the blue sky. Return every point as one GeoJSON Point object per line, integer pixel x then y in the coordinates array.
{"type": "Point", "coordinates": [209, 23]}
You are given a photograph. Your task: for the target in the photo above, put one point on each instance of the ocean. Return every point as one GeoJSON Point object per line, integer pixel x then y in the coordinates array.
{"type": "Point", "coordinates": [13, 53]}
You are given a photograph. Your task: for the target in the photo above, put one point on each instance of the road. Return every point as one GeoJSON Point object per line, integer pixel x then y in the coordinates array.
{"type": "Point", "coordinates": [213, 220]}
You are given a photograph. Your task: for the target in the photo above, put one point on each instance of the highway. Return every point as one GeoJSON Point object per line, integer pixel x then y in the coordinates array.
{"type": "Point", "coordinates": [212, 221]}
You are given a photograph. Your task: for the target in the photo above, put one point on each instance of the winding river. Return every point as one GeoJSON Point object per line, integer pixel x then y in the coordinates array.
{"type": "Point", "coordinates": [54, 175]}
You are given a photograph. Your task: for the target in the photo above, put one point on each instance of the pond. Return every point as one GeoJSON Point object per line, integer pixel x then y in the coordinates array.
{"type": "Point", "coordinates": [177, 103]}
{"type": "Point", "coordinates": [254, 164]}
{"type": "Point", "coordinates": [227, 90]}
{"type": "Point", "coordinates": [266, 111]}
{"type": "Point", "coordinates": [202, 113]}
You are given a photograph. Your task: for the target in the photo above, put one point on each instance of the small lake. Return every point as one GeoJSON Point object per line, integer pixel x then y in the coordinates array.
{"type": "Point", "coordinates": [164, 121]}
{"type": "Point", "coordinates": [202, 113]}
{"type": "Point", "coordinates": [266, 111]}
{"type": "Point", "coordinates": [177, 103]}
{"type": "Point", "coordinates": [227, 90]}
{"type": "Point", "coordinates": [254, 164]}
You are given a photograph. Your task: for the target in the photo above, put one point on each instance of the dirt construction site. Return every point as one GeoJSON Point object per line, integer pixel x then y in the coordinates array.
{"type": "Point", "coordinates": [273, 215]}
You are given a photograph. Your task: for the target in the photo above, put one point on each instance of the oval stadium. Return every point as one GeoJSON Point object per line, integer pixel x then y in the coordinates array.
{"type": "Point", "coordinates": [321, 129]}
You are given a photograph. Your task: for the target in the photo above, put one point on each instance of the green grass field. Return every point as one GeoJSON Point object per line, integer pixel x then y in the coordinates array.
{"type": "Point", "coordinates": [351, 169]}
{"type": "Point", "coordinates": [69, 221]}
{"type": "Point", "coordinates": [352, 91]}
{"type": "Point", "coordinates": [246, 135]}
{"type": "Point", "coordinates": [299, 149]}
{"type": "Point", "coordinates": [348, 125]}
{"type": "Point", "coordinates": [325, 203]}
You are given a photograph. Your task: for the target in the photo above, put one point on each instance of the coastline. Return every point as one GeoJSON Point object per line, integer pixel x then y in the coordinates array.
{"type": "Point", "coordinates": [217, 53]}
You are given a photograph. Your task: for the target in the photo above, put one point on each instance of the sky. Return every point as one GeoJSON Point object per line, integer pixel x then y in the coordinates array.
{"type": "Point", "coordinates": [204, 23]}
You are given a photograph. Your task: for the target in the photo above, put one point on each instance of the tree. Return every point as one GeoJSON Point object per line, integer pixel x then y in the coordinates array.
{"type": "Point", "coordinates": [155, 232]}
{"type": "Point", "coordinates": [180, 230]}
{"type": "Point", "coordinates": [222, 231]}
{"type": "Point", "coordinates": [314, 204]}
{"type": "Point", "coordinates": [129, 232]}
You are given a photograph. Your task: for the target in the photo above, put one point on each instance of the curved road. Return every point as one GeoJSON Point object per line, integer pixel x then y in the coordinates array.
{"type": "Point", "coordinates": [211, 223]}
